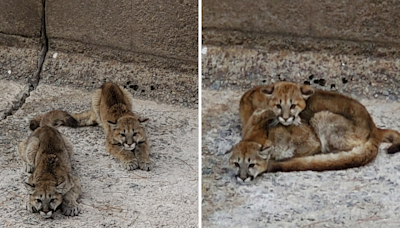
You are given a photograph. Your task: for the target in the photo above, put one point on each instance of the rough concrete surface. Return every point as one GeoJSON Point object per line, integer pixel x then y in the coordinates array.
{"type": "Point", "coordinates": [367, 196]}
{"type": "Point", "coordinates": [111, 196]}
{"type": "Point", "coordinates": [158, 28]}
{"type": "Point", "coordinates": [12, 97]}
{"type": "Point", "coordinates": [18, 63]}
{"type": "Point", "coordinates": [80, 71]}
{"type": "Point", "coordinates": [21, 17]}
{"type": "Point", "coordinates": [376, 21]}
{"type": "Point", "coordinates": [235, 67]}
{"type": "Point", "coordinates": [258, 16]}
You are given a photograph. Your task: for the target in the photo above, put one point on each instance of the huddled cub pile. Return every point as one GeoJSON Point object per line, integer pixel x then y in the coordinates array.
{"type": "Point", "coordinates": [47, 154]}
{"type": "Point", "coordinates": [292, 127]}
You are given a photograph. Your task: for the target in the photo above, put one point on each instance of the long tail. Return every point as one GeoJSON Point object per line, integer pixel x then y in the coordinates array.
{"type": "Point", "coordinates": [358, 156]}
{"type": "Point", "coordinates": [53, 118]}
{"type": "Point", "coordinates": [391, 136]}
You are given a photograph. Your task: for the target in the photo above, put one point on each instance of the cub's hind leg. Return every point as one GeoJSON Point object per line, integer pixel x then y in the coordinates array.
{"type": "Point", "coordinates": [142, 155]}
{"type": "Point", "coordinates": [27, 150]}
{"type": "Point", "coordinates": [127, 158]}
{"type": "Point", "coordinates": [91, 117]}
{"type": "Point", "coordinates": [86, 118]}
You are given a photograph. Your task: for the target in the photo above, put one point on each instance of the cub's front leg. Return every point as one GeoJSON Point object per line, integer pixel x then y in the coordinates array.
{"type": "Point", "coordinates": [30, 207]}
{"type": "Point", "coordinates": [127, 158]}
{"type": "Point", "coordinates": [142, 154]}
{"type": "Point", "coordinates": [70, 207]}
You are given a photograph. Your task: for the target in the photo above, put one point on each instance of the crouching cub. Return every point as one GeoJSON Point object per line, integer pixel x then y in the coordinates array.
{"type": "Point", "coordinates": [126, 138]}
{"type": "Point", "coordinates": [264, 140]}
{"type": "Point", "coordinates": [47, 153]}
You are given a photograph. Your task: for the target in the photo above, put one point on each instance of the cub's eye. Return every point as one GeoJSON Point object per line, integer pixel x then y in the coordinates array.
{"type": "Point", "coordinates": [52, 200]}
{"type": "Point", "coordinates": [134, 134]}
{"type": "Point", "coordinates": [279, 106]}
{"type": "Point", "coordinates": [237, 164]}
{"type": "Point", "coordinates": [123, 135]}
{"type": "Point", "coordinates": [38, 200]}
{"type": "Point", "coordinates": [292, 106]}
{"type": "Point", "coordinates": [251, 165]}
{"type": "Point", "coordinates": [141, 142]}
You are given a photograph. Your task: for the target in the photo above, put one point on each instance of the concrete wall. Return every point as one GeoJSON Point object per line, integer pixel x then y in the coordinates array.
{"type": "Point", "coordinates": [166, 29]}
{"type": "Point", "coordinates": [21, 17]}
{"type": "Point", "coordinates": [358, 20]}
{"type": "Point", "coordinates": [151, 46]}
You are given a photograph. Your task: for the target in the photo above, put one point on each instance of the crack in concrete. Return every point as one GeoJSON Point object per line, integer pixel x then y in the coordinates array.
{"type": "Point", "coordinates": [34, 81]}
{"type": "Point", "coordinates": [42, 55]}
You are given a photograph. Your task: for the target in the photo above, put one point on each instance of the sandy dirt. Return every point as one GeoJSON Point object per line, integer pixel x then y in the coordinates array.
{"type": "Point", "coordinates": [111, 196]}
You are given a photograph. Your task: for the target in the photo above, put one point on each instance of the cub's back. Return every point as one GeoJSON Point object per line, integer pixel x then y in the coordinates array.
{"type": "Point", "coordinates": [253, 99]}
{"type": "Point", "coordinates": [51, 142]}
{"type": "Point", "coordinates": [111, 94]}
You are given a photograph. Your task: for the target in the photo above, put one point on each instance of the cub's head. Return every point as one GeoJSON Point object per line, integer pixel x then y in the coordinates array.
{"type": "Point", "coordinates": [45, 197]}
{"type": "Point", "coordinates": [128, 132]}
{"type": "Point", "coordinates": [287, 100]}
{"type": "Point", "coordinates": [249, 159]}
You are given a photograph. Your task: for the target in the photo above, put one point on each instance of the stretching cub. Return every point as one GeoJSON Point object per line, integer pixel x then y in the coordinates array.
{"type": "Point", "coordinates": [290, 101]}
{"type": "Point", "coordinates": [126, 138]}
{"type": "Point", "coordinates": [47, 153]}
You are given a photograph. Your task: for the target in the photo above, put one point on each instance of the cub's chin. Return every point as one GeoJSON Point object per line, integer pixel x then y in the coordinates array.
{"type": "Point", "coordinates": [131, 147]}
{"type": "Point", "coordinates": [46, 215]}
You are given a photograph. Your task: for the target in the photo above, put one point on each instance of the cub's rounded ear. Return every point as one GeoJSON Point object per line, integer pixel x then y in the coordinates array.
{"type": "Point", "coordinates": [30, 187]}
{"type": "Point", "coordinates": [268, 144]}
{"type": "Point", "coordinates": [266, 153]}
{"type": "Point", "coordinates": [142, 120]}
{"type": "Point", "coordinates": [268, 90]}
{"type": "Point", "coordinates": [306, 91]}
{"type": "Point", "coordinates": [266, 150]}
{"type": "Point", "coordinates": [112, 125]}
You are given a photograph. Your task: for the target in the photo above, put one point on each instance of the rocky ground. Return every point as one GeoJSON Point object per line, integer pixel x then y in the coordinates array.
{"type": "Point", "coordinates": [367, 196]}
{"type": "Point", "coordinates": [111, 196]}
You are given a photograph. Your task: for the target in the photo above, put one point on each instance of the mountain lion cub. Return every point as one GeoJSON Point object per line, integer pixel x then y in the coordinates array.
{"type": "Point", "coordinates": [126, 137]}
{"type": "Point", "coordinates": [47, 153]}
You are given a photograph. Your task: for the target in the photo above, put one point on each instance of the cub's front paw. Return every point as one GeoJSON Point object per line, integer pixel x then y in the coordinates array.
{"type": "Point", "coordinates": [29, 168]}
{"type": "Point", "coordinates": [297, 121]}
{"type": "Point", "coordinates": [146, 165]}
{"type": "Point", "coordinates": [72, 210]}
{"type": "Point", "coordinates": [30, 208]}
{"type": "Point", "coordinates": [132, 165]}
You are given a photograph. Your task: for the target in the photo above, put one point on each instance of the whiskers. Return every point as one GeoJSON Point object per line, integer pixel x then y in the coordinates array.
{"type": "Point", "coordinates": [272, 122]}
